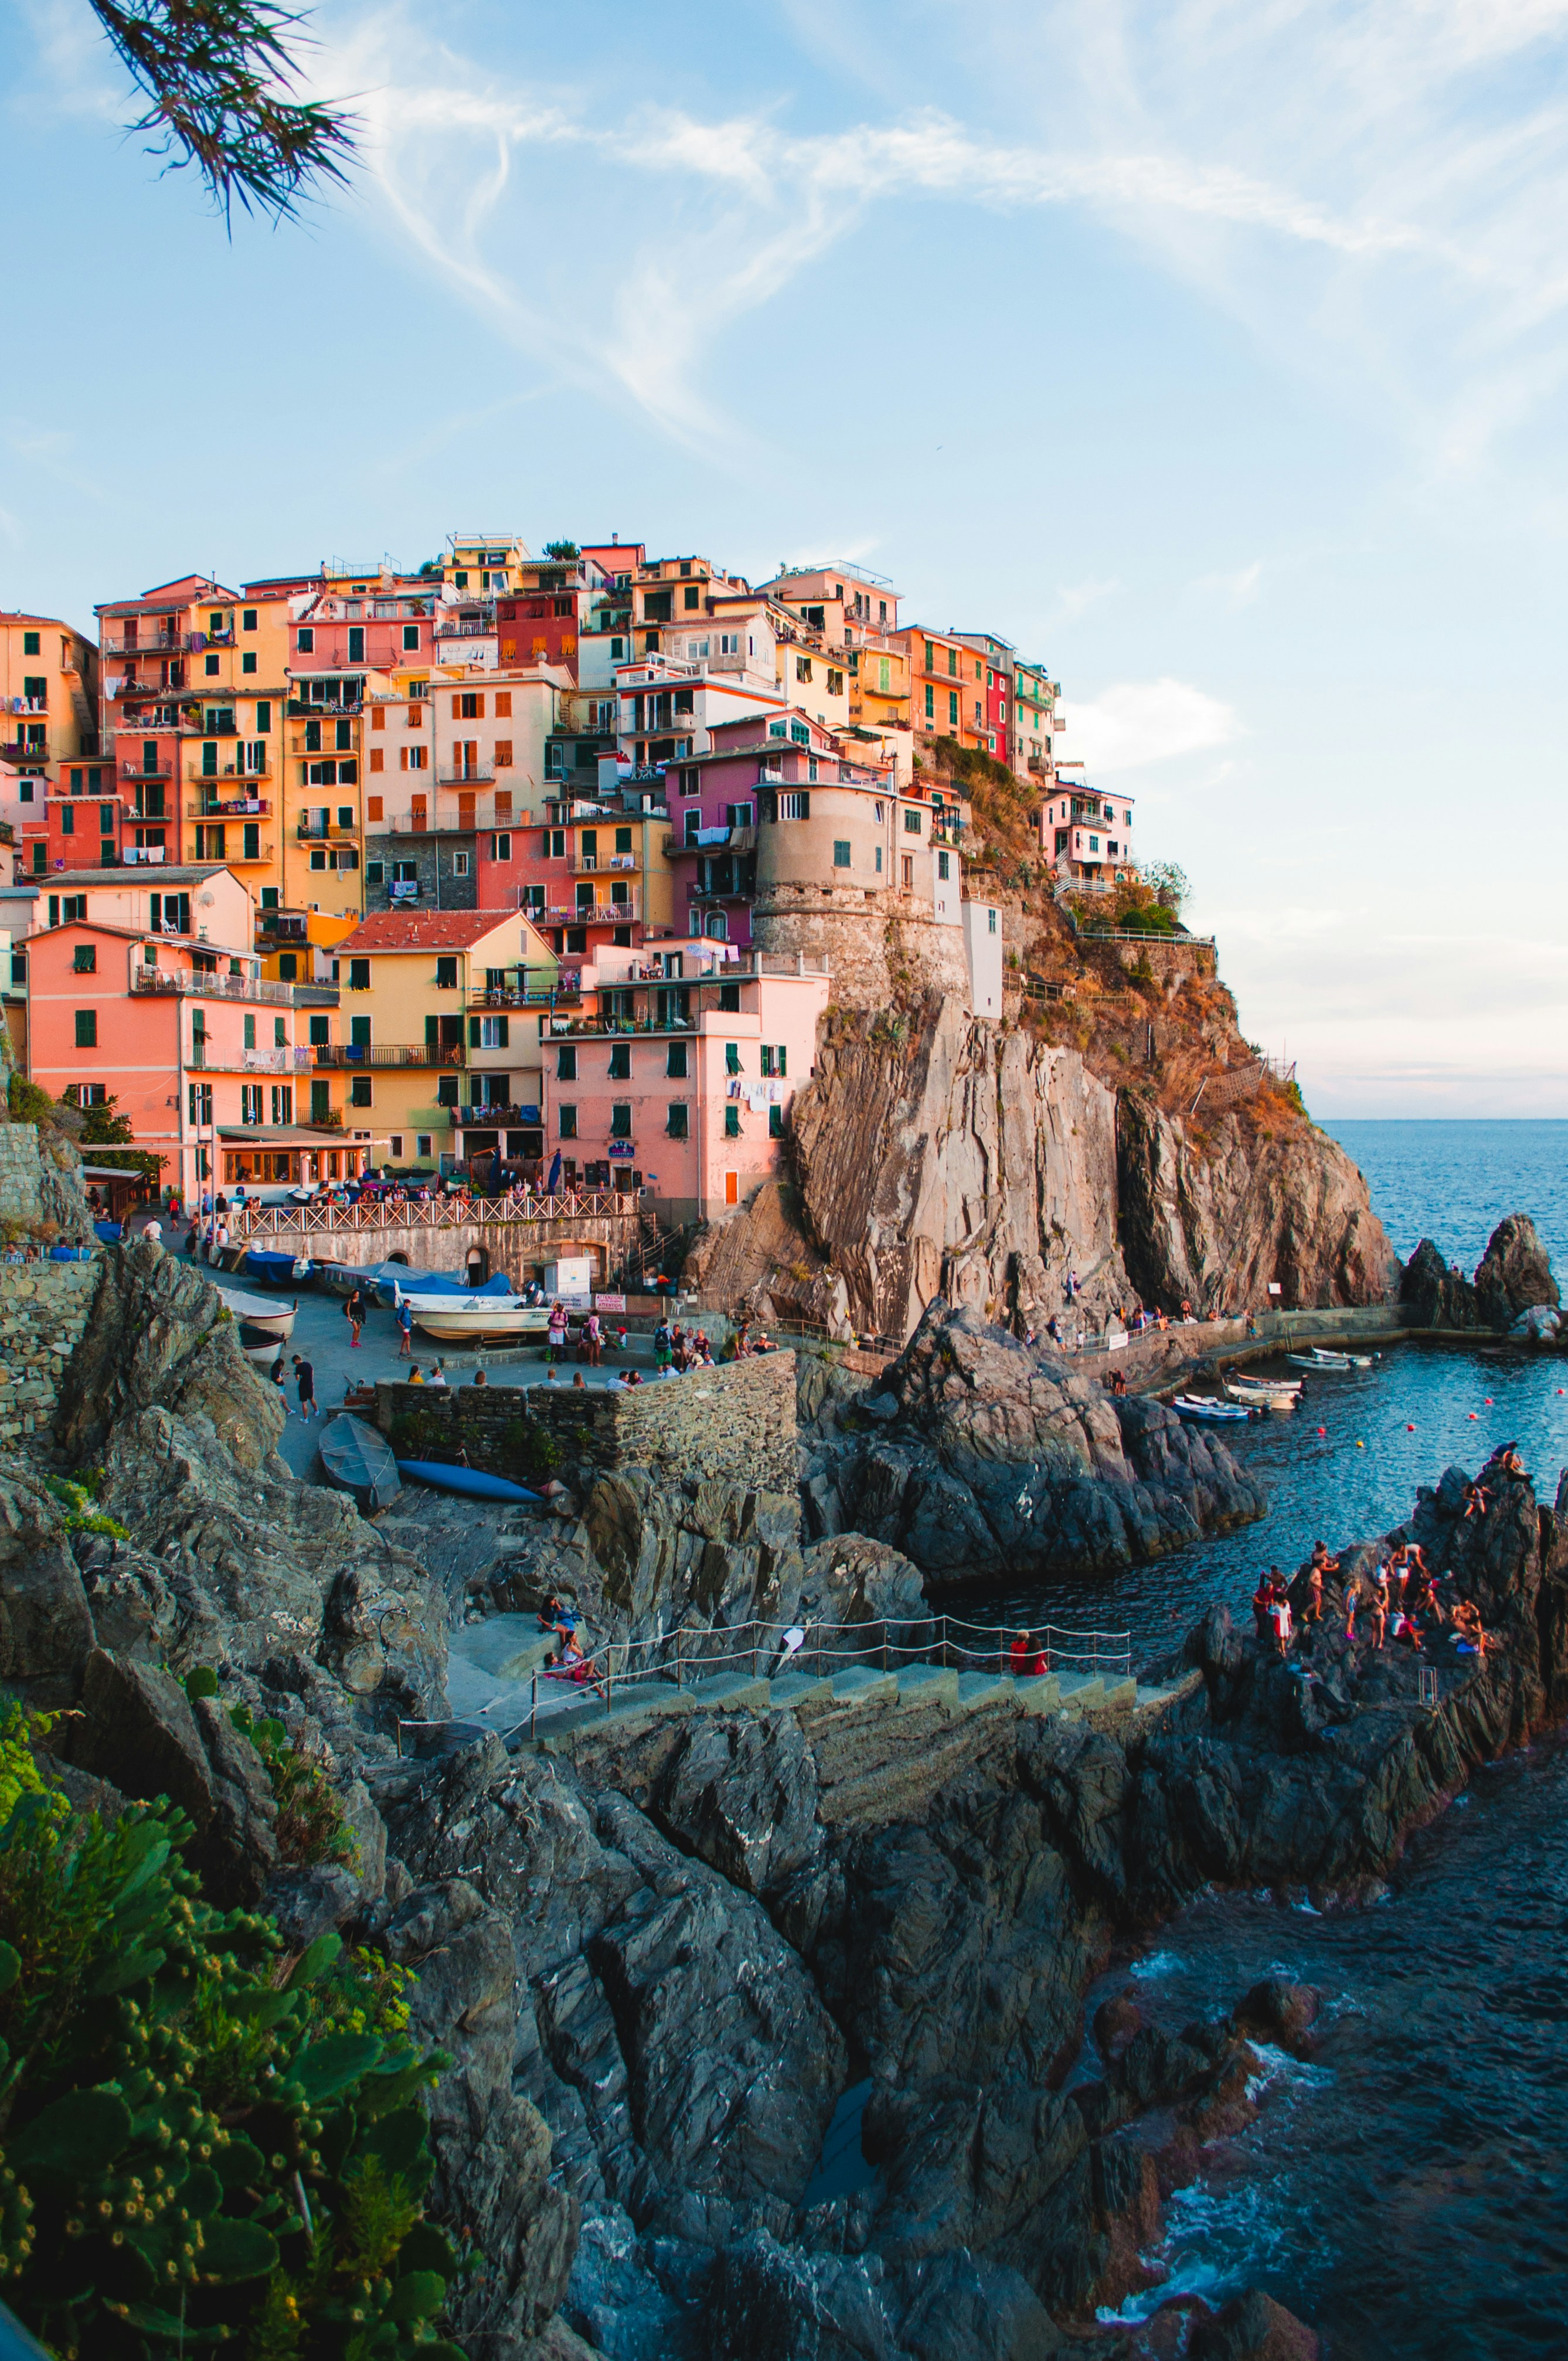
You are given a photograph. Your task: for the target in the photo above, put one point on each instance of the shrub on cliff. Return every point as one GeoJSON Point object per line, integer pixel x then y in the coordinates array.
{"type": "Point", "coordinates": [27, 1102]}
{"type": "Point", "coordinates": [311, 1826]}
{"type": "Point", "coordinates": [201, 2142]}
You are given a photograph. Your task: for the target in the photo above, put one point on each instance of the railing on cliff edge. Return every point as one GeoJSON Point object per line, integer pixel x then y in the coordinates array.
{"type": "Point", "coordinates": [949, 1642]}
{"type": "Point", "coordinates": [249, 1222]}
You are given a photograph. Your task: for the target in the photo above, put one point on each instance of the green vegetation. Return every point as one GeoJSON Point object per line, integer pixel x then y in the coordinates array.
{"type": "Point", "coordinates": [28, 1102]}
{"type": "Point", "coordinates": [202, 2142]}
{"type": "Point", "coordinates": [77, 1499]}
{"type": "Point", "coordinates": [563, 552]}
{"type": "Point", "coordinates": [109, 1135]}
{"type": "Point", "coordinates": [311, 1826]}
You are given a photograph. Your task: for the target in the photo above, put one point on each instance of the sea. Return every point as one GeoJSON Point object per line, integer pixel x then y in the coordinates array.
{"type": "Point", "coordinates": [1406, 2190]}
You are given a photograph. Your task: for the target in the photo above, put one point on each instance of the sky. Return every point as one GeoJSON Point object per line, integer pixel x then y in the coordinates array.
{"type": "Point", "coordinates": [1213, 354]}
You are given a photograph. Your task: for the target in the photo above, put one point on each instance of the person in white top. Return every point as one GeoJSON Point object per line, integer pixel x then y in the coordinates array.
{"type": "Point", "coordinates": [153, 1230]}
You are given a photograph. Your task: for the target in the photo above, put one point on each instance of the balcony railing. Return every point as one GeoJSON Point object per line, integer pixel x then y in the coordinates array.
{"type": "Point", "coordinates": [475, 775]}
{"type": "Point", "coordinates": [538, 991]}
{"type": "Point", "coordinates": [212, 1058]}
{"type": "Point", "coordinates": [221, 807]}
{"type": "Point", "coordinates": [358, 1055]}
{"type": "Point", "coordinates": [329, 835]}
{"type": "Point", "coordinates": [161, 983]}
{"type": "Point", "coordinates": [162, 769]}
{"type": "Point", "coordinates": [604, 864]}
{"type": "Point", "coordinates": [589, 913]}
{"type": "Point", "coordinates": [174, 645]}
{"type": "Point", "coordinates": [467, 1117]}
{"type": "Point", "coordinates": [19, 751]}
{"type": "Point", "coordinates": [302, 709]}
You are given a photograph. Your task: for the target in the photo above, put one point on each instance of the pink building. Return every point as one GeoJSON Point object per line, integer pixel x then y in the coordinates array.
{"type": "Point", "coordinates": [134, 995]}
{"type": "Point", "coordinates": [678, 1074]}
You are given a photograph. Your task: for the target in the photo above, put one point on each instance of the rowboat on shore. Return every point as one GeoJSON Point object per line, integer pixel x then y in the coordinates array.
{"type": "Point", "coordinates": [262, 1312]}
{"type": "Point", "coordinates": [257, 1346]}
{"type": "Point", "coordinates": [358, 1460]}
{"type": "Point", "coordinates": [1336, 1363]}
{"type": "Point", "coordinates": [476, 1318]}
{"type": "Point", "coordinates": [1203, 1410]}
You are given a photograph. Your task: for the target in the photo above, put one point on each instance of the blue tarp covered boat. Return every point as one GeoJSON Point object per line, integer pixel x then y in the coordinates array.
{"type": "Point", "coordinates": [471, 1481]}
{"type": "Point", "coordinates": [358, 1460]}
{"type": "Point", "coordinates": [275, 1270]}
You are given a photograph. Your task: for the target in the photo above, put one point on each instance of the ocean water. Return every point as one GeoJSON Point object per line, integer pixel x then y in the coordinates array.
{"type": "Point", "coordinates": [1406, 2192]}
{"type": "Point", "coordinates": [1453, 1182]}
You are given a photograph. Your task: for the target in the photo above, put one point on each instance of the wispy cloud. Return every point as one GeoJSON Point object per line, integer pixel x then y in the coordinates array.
{"type": "Point", "coordinates": [1237, 589]}
{"type": "Point", "coordinates": [1076, 598]}
{"type": "Point", "coordinates": [1144, 721]}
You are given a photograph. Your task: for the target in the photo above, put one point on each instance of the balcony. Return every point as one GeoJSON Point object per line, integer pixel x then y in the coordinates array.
{"type": "Point", "coordinates": [600, 864]}
{"type": "Point", "coordinates": [18, 751]}
{"type": "Point", "coordinates": [358, 1055]}
{"type": "Point", "coordinates": [190, 725]}
{"type": "Point", "coordinates": [539, 987]}
{"type": "Point", "coordinates": [589, 913]}
{"type": "Point", "coordinates": [210, 1058]}
{"type": "Point", "coordinates": [229, 807]}
{"type": "Point", "coordinates": [302, 709]}
{"type": "Point", "coordinates": [160, 983]}
{"type": "Point", "coordinates": [475, 775]}
{"type": "Point", "coordinates": [486, 1116]}
{"type": "Point", "coordinates": [130, 690]}
{"type": "Point", "coordinates": [305, 834]}
{"type": "Point", "coordinates": [162, 769]}
{"type": "Point", "coordinates": [170, 644]}
{"type": "Point", "coordinates": [240, 774]}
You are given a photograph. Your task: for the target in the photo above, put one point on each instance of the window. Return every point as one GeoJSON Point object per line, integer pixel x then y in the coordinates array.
{"type": "Point", "coordinates": [906, 873]}
{"type": "Point", "coordinates": [675, 1063]}
{"type": "Point", "coordinates": [775, 1060]}
{"type": "Point", "coordinates": [357, 643]}
{"type": "Point", "coordinates": [500, 848]}
{"type": "Point", "coordinates": [280, 1032]}
{"type": "Point", "coordinates": [729, 999]}
{"type": "Point", "coordinates": [691, 598]}
{"type": "Point", "coordinates": [620, 1119]}
{"type": "Point", "coordinates": [503, 705]}
{"type": "Point", "coordinates": [31, 643]}
{"type": "Point", "coordinates": [621, 1061]}
{"type": "Point", "coordinates": [566, 1122]}
{"type": "Point", "coordinates": [533, 900]}
{"type": "Point", "coordinates": [931, 702]}
{"type": "Point", "coordinates": [247, 661]}
{"type": "Point", "coordinates": [803, 667]}
{"type": "Point", "coordinates": [555, 845]}
{"type": "Point", "coordinates": [775, 1123]}
{"type": "Point", "coordinates": [953, 708]}
{"type": "Point", "coordinates": [503, 753]}
{"type": "Point", "coordinates": [446, 975]}
{"type": "Point", "coordinates": [210, 667]}
{"type": "Point", "coordinates": [200, 1104]}
{"type": "Point", "coordinates": [459, 864]}
{"type": "Point", "coordinates": [468, 706]}
{"type": "Point", "coordinates": [732, 1057]}
{"type": "Point", "coordinates": [911, 821]}
{"type": "Point", "coordinates": [67, 820]}
{"type": "Point", "coordinates": [288, 966]}
{"type": "Point", "coordinates": [282, 1102]}
{"type": "Point", "coordinates": [359, 1093]}
{"type": "Point", "coordinates": [306, 641]}
{"type": "Point", "coordinates": [84, 960]}
{"type": "Point", "coordinates": [87, 1028]}
{"type": "Point", "coordinates": [990, 918]}
{"type": "Point", "coordinates": [732, 1121]}
{"type": "Point", "coordinates": [944, 866]}
{"type": "Point", "coordinates": [835, 682]}
{"type": "Point", "coordinates": [840, 852]}
{"type": "Point", "coordinates": [446, 1090]}
{"type": "Point", "coordinates": [566, 1063]}
{"type": "Point", "coordinates": [794, 807]}
{"type": "Point", "coordinates": [952, 660]}
{"type": "Point", "coordinates": [488, 1033]}
{"type": "Point", "coordinates": [378, 759]}
{"type": "Point", "coordinates": [415, 758]}
{"type": "Point", "coordinates": [342, 735]}
{"type": "Point", "coordinates": [411, 635]}
{"type": "Point", "coordinates": [359, 976]}
{"type": "Point", "coordinates": [264, 717]}
{"type": "Point", "coordinates": [250, 1032]}
{"type": "Point", "coordinates": [675, 1123]}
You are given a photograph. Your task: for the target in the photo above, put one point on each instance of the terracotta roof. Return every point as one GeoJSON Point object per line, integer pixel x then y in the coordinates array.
{"type": "Point", "coordinates": [422, 930]}
{"type": "Point", "coordinates": [53, 623]}
{"type": "Point", "coordinates": [150, 872]}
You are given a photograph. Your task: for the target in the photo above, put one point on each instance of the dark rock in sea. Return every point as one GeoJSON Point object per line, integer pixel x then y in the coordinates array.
{"type": "Point", "coordinates": [1278, 2012]}
{"type": "Point", "coordinates": [1514, 1274]}
{"type": "Point", "coordinates": [1115, 2022]}
{"type": "Point", "coordinates": [1433, 1296]}
{"type": "Point", "coordinates": [1253, 2327]}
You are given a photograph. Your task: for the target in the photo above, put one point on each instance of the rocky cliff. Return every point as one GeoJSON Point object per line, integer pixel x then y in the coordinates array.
{"type": "Point", "coordinates": [935, 1154]}
{"type": "Point", "coordinates": [1513, 1284]}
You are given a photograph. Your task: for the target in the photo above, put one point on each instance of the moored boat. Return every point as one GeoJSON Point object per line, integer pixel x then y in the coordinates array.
{"type": "Point", "coordinates": [456, 1319]}
{"type": "Point", "coordinates": [359, 1460]}
{"type": "Point", "coordinates": [264, 1313]}
{"type": "Point", "coordinates": [1265, 1397]}
{"type": "Point", "coordinates": [1319, 1358]}
{"type": "Point", "coordinates": [275, 1270]}
{"type": "Point", "coordinates": [1204, 1410]}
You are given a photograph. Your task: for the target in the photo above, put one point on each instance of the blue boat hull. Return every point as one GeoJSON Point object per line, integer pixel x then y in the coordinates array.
{"type": "Point", "coordinates": [471, 1481]}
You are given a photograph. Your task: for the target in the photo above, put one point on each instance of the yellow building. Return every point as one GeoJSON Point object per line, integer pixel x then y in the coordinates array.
{"type": "Point", "coordinates": [48, 708]}
{"type": "Point", "coordinates": [232, 737]}
{"type": "Point", "coordinates": [438, 1035]}
{"type": "Point", "coordinates": [483, 565]}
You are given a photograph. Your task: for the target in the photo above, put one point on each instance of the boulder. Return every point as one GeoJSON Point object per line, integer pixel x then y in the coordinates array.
{"type": "Point", "coordinates": [1280, 2012]}
{"type": "Point", "coordinates": [1252, 2327]}
{"type": "Point", "coordinates": [1514, 1274]}
{"type": "Point", "coordinates": [1432, 1295]}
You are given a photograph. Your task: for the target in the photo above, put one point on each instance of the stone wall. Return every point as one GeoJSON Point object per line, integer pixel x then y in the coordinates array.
{"type": "Point", "coordinates": [430, 853]}
{"type": "Point", "coordinates": [1165, 956]}
{"type": "Point", "coordinates": [876, 950]}
{"type": "Point", "coordinates": [44, 1308]}
{"type": "Point", "coordinates": [520, 1248]}
{"type": "Point", "coordinates": [734, 1424]}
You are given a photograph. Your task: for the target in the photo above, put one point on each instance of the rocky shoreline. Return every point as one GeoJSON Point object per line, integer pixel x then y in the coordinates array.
{"type": "Point", "coordinates": [660, 1964]}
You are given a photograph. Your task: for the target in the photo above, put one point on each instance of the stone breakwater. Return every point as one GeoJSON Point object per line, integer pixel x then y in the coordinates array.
{"type": "Point", "coordinates": [44, 1310]}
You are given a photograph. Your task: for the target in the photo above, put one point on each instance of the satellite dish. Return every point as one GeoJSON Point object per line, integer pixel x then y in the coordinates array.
{"type": "Point", "coordinates": [203, 902]}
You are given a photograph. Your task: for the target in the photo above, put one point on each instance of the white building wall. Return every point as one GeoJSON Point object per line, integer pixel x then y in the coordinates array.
{"type": "Point", "coordinates": [982, 951]}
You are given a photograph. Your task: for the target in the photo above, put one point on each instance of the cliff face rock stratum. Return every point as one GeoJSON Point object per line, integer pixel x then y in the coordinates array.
{"type": "Point", "coordinates": [936, 1155]}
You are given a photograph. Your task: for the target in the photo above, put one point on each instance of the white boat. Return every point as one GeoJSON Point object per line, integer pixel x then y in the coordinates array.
{"type": "Point", "coordinates": [1319, 1359]}
{"type": "Point", "coordinates": [1245, 1384]}
{"type": "Point", "coordinates": [450, 1318]}
{"type": "Point", "coordinates": [262, 1312]}
{"type": "Point", "coordinates": [1204, 1410]}
{"type": "Point", "coordinates": [1262, 1398]}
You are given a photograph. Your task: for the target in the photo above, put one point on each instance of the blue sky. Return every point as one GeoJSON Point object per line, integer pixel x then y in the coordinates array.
{"type": "Point", "coordinates": [1213, 353]}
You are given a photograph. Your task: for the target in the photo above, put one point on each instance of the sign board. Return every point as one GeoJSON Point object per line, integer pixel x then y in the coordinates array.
{"type": "Point", "coordinates": [1273, 1287]}
{"type": "Point", "coordinates": [1115, 1340]}
{"type": "Point", "coordinates": [610, 1303]}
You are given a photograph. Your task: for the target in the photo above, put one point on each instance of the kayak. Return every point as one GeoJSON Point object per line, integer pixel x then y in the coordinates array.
{"type": "Point", "coordinates": [471, 1481]}
{"type": "Point", "coordinates": [1203, 1408]}
{"type": "Point", "coordinates": [360, 1461]}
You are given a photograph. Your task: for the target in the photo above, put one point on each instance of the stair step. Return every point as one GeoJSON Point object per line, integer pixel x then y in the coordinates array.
{"type": "Point", "coordinates": [1121, 1689]}
{"type": "Point", "coordinates": [1081, 1692]}
{"type": "Point", "coordinates": [633, 1710]}
{"type": "Point", "coordinates": [1038, 1693]}
{"type": "Point", "coordinates": [928, 1685]}
{"type": "Point", "coordinates": [797, 1688]}
{"type": "Point", "coordinates": [724, 1692]}
{"type": "Point", "coordinates": [861, 1686]}
{"type": "Point", "coordinates": [984, 1689]}
{"type": "Point", "coordinates": [507, 1647]}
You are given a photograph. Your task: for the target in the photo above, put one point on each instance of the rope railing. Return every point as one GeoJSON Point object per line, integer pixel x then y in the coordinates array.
{"type": "Point", "coordinates": [759, 1649]}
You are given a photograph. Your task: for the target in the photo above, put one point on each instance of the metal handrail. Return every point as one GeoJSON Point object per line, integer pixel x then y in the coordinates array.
{"type": "Point", "coordinates": [435, 1214]}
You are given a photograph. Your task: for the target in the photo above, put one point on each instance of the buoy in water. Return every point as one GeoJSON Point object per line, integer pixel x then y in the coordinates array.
{"type": "Point", "coordinates": [1472, 1414]}
{"type": "Point", "coordinates": [1324, 1430]}
{"type": "Point", "coordinates": [1409, 1426]}
{"type": "Point", "coordinates": [1361, 1446]}
{"type": "Point", "coordinates": [1488, 1401]}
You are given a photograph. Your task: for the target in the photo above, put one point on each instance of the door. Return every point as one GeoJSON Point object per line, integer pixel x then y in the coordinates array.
{"type": "Point", "coordinates": [732, 1188]}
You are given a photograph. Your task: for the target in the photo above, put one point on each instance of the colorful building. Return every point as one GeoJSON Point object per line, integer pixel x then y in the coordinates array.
{"type": "Point", "coordinates": [677, 1073]}
{"type": "Point", "coordinates": [1035, 694]}
{"type": "Point", "coordinates": [1087, 836]}
{"type": "Point", "coordinates": [146, 987]}
{"type": "Point", "coordinates": [442, 1010]}
{"type": "Point", "coordinates": [49, 713]}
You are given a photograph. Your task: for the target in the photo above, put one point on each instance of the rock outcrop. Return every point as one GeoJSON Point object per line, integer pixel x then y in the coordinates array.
{"type": "Point", "coordinates": [1435, 1294]}
{"type": "Point", "coordinates": [937, 1155]}
{"type": "Point", "coordinates": [1513, 1289]}
{"type": "Point", "coordinates": [980, 1452]}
